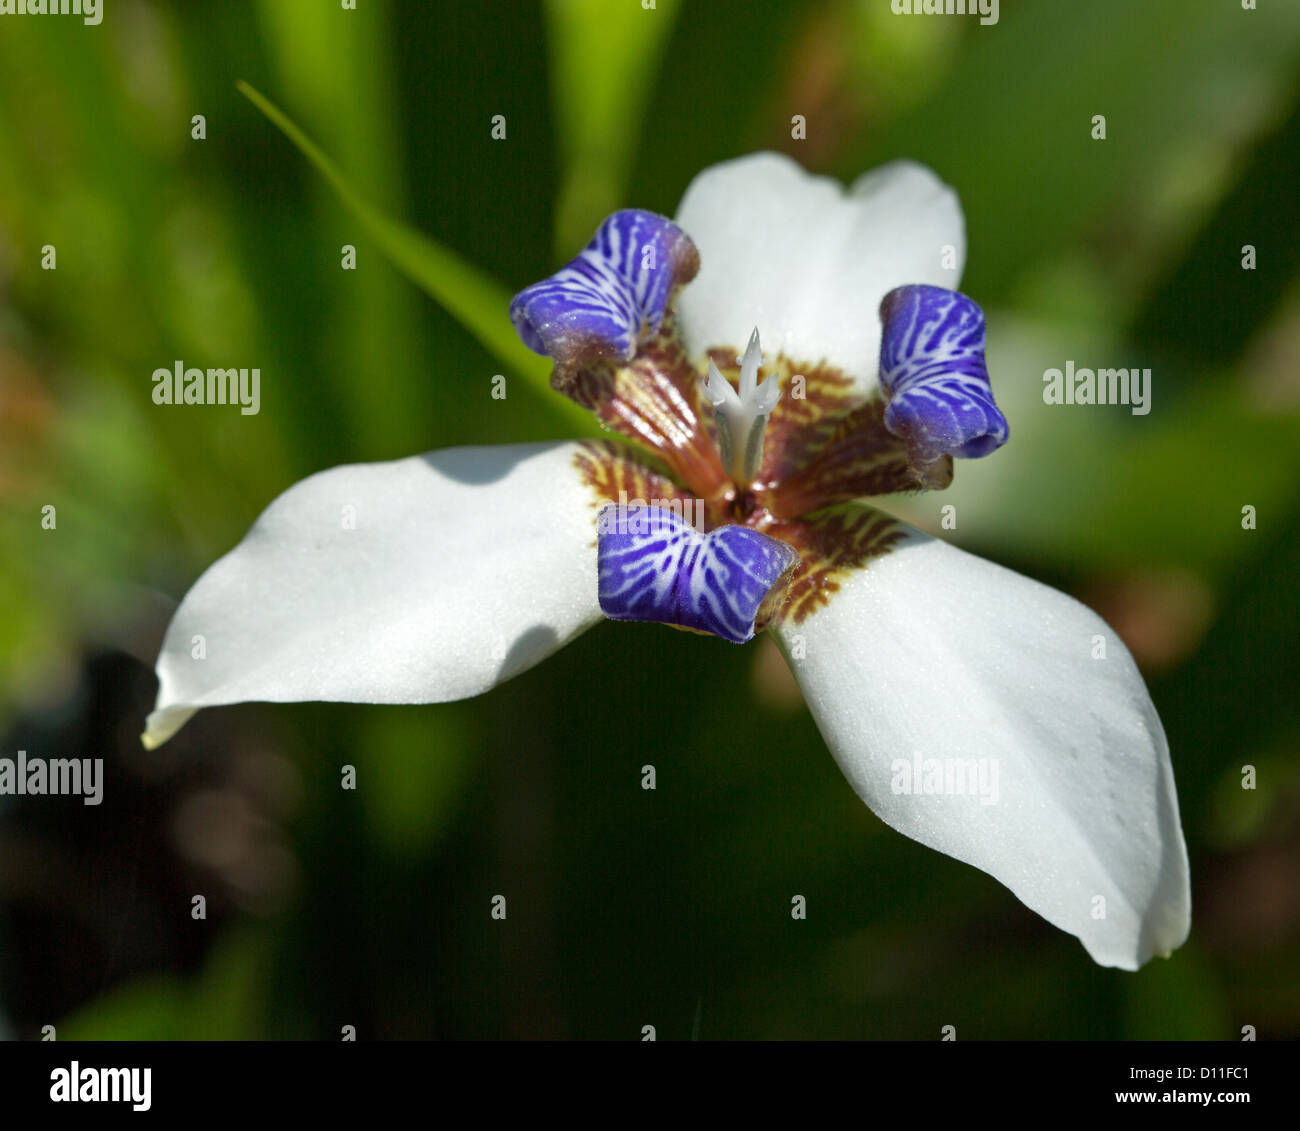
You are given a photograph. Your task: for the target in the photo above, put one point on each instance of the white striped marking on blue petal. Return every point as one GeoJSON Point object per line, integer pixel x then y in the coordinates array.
{"type": "Point", "coordinates": [614, 292]}
{"type": "Point", "coordinates": [654, 566]}
{"type": "Point", "coordinates": [934, 377]}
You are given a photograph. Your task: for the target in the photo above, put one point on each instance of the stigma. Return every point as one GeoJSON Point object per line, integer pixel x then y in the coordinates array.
{"type": "Point", "coordinates": [741, 415]}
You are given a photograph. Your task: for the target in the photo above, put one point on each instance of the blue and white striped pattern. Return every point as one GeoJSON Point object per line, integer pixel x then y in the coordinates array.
{"type": "Point", "coordinates": [653, 566]}
{"type": "Point", "coordinates": [613, 293]}
{"type": "Point", "coordinates": [933, 374]}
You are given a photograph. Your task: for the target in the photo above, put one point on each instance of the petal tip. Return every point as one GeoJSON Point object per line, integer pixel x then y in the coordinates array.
{"type": "Point", "coordinates": [163, 723]}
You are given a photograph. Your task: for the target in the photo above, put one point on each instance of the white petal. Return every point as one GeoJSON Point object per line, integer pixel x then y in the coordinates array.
{"type": "Point", "coordinates": [808, 263]}
{"type": "Point", "coordinates": [464, 568]}
{"type": "Point", "coordinates": [933, 653]}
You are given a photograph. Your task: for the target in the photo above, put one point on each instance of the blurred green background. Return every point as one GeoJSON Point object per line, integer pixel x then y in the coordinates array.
{"type": "Point", "coordinates": [370, 907]}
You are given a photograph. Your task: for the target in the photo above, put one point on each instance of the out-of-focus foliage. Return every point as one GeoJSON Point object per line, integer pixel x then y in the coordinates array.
{"type": "Point", "coordinates": [475, 301]}
{"type": "Point", "coordinates": [370, 907]}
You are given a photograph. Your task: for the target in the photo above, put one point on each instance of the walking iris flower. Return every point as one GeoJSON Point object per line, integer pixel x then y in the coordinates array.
{"type": "Point", "coordinates": [735, 508]}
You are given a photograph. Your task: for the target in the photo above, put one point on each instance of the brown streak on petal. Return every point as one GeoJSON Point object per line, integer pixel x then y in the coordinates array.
{"type": "Point", "coordinates": [862, 458]}
{"type": "Point", "coordinates": [799, 425]}
{"type": "Point", "coordinates": [655, 400]}
{"type": "Point", "coordinates": [828, 446]}
{"type": "Point", "coordinates": [609, 468]}
{"type": "Point", "coordinates": [831, 545]}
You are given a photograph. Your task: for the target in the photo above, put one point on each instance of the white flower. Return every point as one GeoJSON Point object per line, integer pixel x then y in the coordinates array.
{"type": "Point", "coordinates": [909, 652]}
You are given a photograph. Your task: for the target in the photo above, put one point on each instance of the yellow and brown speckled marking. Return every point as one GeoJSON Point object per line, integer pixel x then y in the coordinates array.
{"type": "Point", "coordinates": [831, 545]}
{"type": "Point", "coordinates": [608, 468]}
{"type": "Point", "coordinates": [820, 451]}
{"type": "Point", "coordinates": [799, 426]}
{"type": "Point", "coordinates": [860, 459]}
{"type": "Point", "coordinates": [827, 447]}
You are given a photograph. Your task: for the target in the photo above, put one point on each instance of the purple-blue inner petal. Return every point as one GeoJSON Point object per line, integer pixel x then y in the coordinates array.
{"type": "Point", "coordinates": [654, 566]}
{"type": "Point", "coordinates": [616, 290]}
{"type": "Point", "coordinates": [933, 375]}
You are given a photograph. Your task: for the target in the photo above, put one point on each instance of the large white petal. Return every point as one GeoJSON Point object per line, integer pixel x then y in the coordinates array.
{"type": "Point", "coordinates": [806, 262]}
{"type": "Point", "coordinates": [417, 581]}
{"type": "Point", "coordinates": [932, 652]}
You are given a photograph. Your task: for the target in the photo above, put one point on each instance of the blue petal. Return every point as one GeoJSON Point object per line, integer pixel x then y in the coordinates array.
{"type": "Point", "coordinates": [613, 293]}
{"type": "Point", "coordinates": [933, 374]}
{"type": "Point", "coordinates": [653, 566]}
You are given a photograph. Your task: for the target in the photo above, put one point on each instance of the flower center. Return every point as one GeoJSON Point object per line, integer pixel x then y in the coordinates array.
{"type": "Point", "coordinates": [777, 509]}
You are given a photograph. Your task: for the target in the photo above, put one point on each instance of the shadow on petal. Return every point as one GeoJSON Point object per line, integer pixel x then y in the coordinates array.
{"type": "Point", "coordinates": [533, 646]}
{"type": "Point", "coordinates": [478, 465]}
